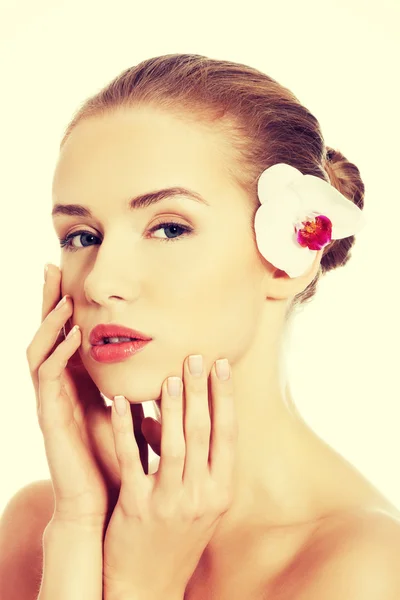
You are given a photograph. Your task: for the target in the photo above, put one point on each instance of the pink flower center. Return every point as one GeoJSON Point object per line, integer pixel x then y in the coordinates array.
{"type": "Point", "coordinates": [315, 233]}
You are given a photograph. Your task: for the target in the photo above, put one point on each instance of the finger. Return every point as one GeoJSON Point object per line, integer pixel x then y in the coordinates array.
{"type": "Point", "coordinates": [64, 447]}
{"type": "Point", "coordinates": [52, 294]}
{"type": "Point", "coordinates": [173, 451]}
{"type": "Point", "coordinates": [133, 479]}
{"type": "Point", "coordinates": [137, 417]}
{"type": "Point", "coordinates": [197, 421]}
{"type": "Point", "coordinates": [224, 430]}
{"type": "Point", "coordinates": [53, 414]}
{"type": "Point", "coordinates": [43, 342]}
{"type": "Point", "coordinates": [50, 334]}
{"type": "Point", "coordinates": [51, 290]}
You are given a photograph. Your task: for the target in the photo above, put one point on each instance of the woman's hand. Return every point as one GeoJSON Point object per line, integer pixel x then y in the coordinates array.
{"type": "Point", "coordinates": [162, 522]}
{"type": "Point", "coordinates": [74, 419]}
{"type": "Point", "coordinates": [80, 492]}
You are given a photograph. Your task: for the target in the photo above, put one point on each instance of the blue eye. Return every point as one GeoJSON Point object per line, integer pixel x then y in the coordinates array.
{"type": "Point", "coordinates": [66, 242]}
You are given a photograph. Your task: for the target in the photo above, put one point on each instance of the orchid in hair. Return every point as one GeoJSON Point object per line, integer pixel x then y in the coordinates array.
{"type": "Point", "coordinates": [299, 215]}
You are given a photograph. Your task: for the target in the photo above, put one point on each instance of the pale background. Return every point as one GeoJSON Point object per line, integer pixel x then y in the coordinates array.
{"type": "Point", "coordinates": [341, 60]}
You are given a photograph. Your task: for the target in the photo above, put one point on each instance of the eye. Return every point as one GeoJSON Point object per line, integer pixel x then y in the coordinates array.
{"type": "Point", "coordinates": [67, 242]}
{"type": "Point", "coordinates": [171, 225]}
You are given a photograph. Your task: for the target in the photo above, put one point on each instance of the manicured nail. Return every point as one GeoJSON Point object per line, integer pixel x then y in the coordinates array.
{"type": "Point", "coordinates": [62, 301]}
{"type": "Point", "coordinates": [174, 386]}
{"type": "Point", "coordinates": [196, 364]}
{"type": "Point", "coordinates": [120, 404]}
{"type": "Point", "coordinates": [72, 332]}
{"type": "Point", "coordinates": [223, 369]}
{"type": "Point", "coordinates": [46, 268]}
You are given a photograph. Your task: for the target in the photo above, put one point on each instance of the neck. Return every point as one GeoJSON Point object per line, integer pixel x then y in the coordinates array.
{"type": "Point", "coordinates": [278, 457]}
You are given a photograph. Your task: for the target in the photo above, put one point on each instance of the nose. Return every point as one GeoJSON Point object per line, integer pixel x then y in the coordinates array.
{"type": "Point", "coordinates": [103, 292]}
{"type": "Point", "coordinates": [105, 286]}
{"type": "Point", "coordinates": [112, 278]}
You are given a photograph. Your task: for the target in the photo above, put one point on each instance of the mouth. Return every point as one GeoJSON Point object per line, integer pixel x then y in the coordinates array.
{"type": "Point", "coordinates": [112, 333]}
{"type": "Point", "coordinates": [110, 350]}
{"type": "Point", "coordinates": [116, 340]}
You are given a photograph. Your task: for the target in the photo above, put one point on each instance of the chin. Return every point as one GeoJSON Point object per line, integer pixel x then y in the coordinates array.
{"type": "Point", "coordinates": [135, 394]}
{"type": "Point", "coordinates": [137, 385]}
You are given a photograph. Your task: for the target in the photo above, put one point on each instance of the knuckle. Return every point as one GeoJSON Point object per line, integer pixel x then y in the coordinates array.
{"type": "Point", "coordinates": [122, 430]}
{"type": "Point", "coordinates": [227, 397]}
{"type": "Point", "coordinates": [170, 406]}
{"type": "Point", "coordinates": [32, 359]}
{"type": "Point", "coordinates": [125, 457]}
{"type": "Point", "coordinates": [173, 453]}
{"type": "Point", "coordinates": [195, 512]}
{"type": "Point", "coordinates": [44, 421]}
{"type": "Point", "coordinates": [229, 437]}
{"type": "Point", "coordinates": [196, 506]}
{"type": "Point", "coordinates": [200, 432]}
{"type": "Point", "coordinates": [223, 505]}
{"type": "Point", "coordinates": [229, 431]}
{"type": "Point", "coordinates": [164, 510]}
{"type": "Point", "coordinates": [42, 371]}
{"type": "Point", "coordinates": [196, 386]}
{"type": "Point", "coordinates": [190, 514]}
{"type": "Point", "coordinates": [222, 501]}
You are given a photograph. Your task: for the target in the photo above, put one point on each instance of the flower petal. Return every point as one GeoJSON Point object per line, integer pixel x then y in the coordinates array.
{"type": "Point", "coordinates": [301, 263]}
{"type": "Point", "coordinates": [287, 198]}
{"type": "Point", "coordinates": [276, 179]}
{"type": "Point", "coordinates": [276, 241]}
{"type": "Point", "coordinates": [319, 196]}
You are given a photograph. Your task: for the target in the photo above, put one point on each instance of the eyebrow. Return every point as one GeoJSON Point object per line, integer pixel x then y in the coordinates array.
{"type": "Point", "coordinates": [142, 201]}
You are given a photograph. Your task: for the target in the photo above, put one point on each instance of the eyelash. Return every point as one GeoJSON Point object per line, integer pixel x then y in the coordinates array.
{"type": "Point", "coordinates": [65, 242]}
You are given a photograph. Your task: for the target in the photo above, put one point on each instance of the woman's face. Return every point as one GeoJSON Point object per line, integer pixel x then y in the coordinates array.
{"type": "Point", "coordinates": [194, 289]}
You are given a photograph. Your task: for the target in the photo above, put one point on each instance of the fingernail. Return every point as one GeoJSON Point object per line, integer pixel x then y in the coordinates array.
{"type": "Point", "coordinates": [174, 386]}
{"type": "Point", "coordinates": [72, 332]}
{"type": "Point", "coordinates": [222, 368]}
{"type": "Point", "coordinates": [120, 404]}
{"type": "Point", "coordinates": [46, 268]}
{"type": "Point", "coordinates": [196, 364]}
{"type": "Point", "coordinates": [62, 301]}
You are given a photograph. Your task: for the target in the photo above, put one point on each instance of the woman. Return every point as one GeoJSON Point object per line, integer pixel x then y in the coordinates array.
{"type": "Point", "coordinates": [297, 519]}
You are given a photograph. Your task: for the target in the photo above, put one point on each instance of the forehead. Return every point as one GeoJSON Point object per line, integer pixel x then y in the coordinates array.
{"type": "Point", "coordinates": [137, 150]}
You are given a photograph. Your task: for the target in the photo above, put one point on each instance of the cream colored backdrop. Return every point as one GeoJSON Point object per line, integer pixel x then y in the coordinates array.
{"type": "Point", "coordinates": [341, 60]}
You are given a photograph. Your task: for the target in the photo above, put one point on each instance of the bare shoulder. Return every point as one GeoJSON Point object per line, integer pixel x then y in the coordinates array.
{"type": "Point", "coordinates": [355, 553]}
{"type": "Point", "coordinates": [358, 526]}
{"type": "Point", "coordinates": [31, 506]}
{"type": "Point", "coordinates": [22, 523]}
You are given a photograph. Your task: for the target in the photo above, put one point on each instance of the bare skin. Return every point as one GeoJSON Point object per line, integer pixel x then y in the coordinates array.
{"type": "Point", "coordinates": [209, 293]}
{"type": "Point", "coordinates": [261, 558]}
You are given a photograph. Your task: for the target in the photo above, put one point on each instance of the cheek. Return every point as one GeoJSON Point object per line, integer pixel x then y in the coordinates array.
{"type": "Point", "coordinates": [237, 310]}
{"type": "Point", "coordinates": [70, 283]}
{"type": "Point", "coordinates": [216, 307]}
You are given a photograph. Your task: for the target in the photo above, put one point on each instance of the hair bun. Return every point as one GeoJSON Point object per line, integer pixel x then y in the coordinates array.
{"type": "Point", "coordinates": [345, 177]}
{"type": "Point", "coordinates": [330, 153]}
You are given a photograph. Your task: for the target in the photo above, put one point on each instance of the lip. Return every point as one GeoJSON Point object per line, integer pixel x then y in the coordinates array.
{"type": "Point", "coordinates": [111, 353]}
{"type": "Point", "coordinates": [114, 330]}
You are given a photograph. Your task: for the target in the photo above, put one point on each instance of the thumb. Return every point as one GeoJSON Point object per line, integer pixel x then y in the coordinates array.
{"type": "Point", "coordinates": [151, 429]}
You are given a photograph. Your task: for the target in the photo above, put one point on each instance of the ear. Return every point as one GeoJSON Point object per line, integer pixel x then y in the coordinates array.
{"type": "Point", "coordinates": [280, 286]}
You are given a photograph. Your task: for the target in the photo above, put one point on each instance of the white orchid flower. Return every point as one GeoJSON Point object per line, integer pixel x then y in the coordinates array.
{"type": "Point", "coordinates": [299, 215]}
